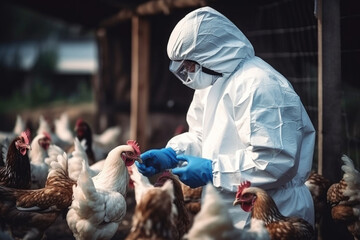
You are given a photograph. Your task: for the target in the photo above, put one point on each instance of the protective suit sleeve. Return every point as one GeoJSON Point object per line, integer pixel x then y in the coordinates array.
{"type": "Point", "coordinates": [269, 122]}
{"type": "Point", "coordinates": [190, 142]}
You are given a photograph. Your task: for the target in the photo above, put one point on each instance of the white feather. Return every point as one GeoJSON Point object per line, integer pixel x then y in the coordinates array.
{"type": "Point", "coordinates": [99, 202]}
{"type": "Point", "coordinates": [62, 128]}
{"type": "Point", "coordinates": [39, 168]}
{"type": "Point", "coordinates": [213, 222]}
{"type": "Point", "coordinates": [141, 183]}
{"type": "Point", "coordinates": [352, 179]}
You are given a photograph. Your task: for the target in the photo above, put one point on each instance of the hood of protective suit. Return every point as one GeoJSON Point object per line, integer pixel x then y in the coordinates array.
{"type": "Point", "coordinates": [209, 38]}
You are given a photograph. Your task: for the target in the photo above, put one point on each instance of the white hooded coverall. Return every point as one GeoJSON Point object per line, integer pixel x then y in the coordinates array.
{"type": "Point", "coordinates": [250, 122]}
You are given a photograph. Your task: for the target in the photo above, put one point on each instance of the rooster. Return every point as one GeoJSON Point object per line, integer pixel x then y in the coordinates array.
{"type": "Point", "coordinates": [155, 215]}
{"type": "Point", "coordinates": [99, 202]}
{"type": "Point", "coordinates": [16, 172]}
{"type": "Point", "coordinates": [344, 198]}
{"type": "Point", "coordinates": [39, 168]}
{"type": "Point", "coordinates": [213, 222]}
{"type": "Point", "coordinates": [263, 207]}
{"type": "Point", "coordinates": [28, 213]}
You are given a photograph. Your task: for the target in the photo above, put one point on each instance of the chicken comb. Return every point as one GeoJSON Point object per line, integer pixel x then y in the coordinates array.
{"type": "Point", "coordinates": [135, 146]}
{"type": "Point", "coordinates": [47, 135]}
{"type": "Point", "coordinates": [242, 186]}
{"type": "Point", "coordinates": [26, 136]}
{"type": "Point", "coordinates": [165, 175]}
{"type": "Point", "coordinates": [79, 121]}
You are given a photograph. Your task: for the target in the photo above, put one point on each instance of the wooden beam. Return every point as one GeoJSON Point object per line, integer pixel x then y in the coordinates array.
{"type": "Point", "coordinates": [140, 51]}
{"type": "Point", "coordinates": [151, 7]}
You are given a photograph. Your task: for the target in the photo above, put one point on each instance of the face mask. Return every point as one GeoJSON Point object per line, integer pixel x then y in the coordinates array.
{"type": "Point", "coordinates": [200, 80]}
{"type": "Point", "coordinates": [191, 74]}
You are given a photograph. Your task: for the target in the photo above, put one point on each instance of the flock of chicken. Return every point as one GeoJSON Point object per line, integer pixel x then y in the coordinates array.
{"type": "Point", "coordinates": [85, 178]}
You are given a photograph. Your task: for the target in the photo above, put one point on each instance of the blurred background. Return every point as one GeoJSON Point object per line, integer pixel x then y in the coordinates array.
{"type": "Point", "coordinates": [78, 57]}
{"type": "Point", "coordinates": [105, 61]}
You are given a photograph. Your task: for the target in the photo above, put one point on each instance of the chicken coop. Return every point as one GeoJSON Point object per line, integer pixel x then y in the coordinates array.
{"type": "Point", "coordinates": [313, 43]}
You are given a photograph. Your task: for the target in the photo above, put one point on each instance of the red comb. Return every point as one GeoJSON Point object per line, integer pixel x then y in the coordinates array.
{"type": "Point", "coordinates": [166, 173]}
{"type": "Point", "coordinates": [79, 121]}
{"type": "Point", "coordinates": [47, 135]}
{"type": "Point", "coordinates": [135, 146]}
{"type": "Point", "coordinates": [242, 186]}
{"type": "Point", "coordinates": [26, 136]}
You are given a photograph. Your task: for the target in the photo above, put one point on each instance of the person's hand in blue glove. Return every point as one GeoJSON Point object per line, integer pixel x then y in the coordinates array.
{"type": "Point", "coordinates": [157, 160]}
{"type": "Point", "coordinates": [198, 171]}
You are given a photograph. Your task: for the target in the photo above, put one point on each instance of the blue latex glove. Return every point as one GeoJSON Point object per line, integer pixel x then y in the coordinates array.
{"type": "Point", "coordinates": [157, 160]}
{"type": "Point", "coordinates": [198, 171]}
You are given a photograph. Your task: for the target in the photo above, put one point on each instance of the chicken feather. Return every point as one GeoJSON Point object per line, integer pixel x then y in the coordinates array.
{"type": "Point", "coordinates": [213, 222]}
{"type": "Point", "coordinates": [344, 198]}
{"type": "Point", "coordinates": [29, 213]}
{"type": "Point", "coordinates": [263, 207]}
{"type": "Point", "coordinates": [99, 202]}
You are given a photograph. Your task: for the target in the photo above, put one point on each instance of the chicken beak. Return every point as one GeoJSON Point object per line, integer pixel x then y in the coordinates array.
{"type": "Point", "coordinates": [28, 146]}
{"type": "Point", "coordinates": [236, 202]}
{"type": "Point", "coordinates": [139, 160]}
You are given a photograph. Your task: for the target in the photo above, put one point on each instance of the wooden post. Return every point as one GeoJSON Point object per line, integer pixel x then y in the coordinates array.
{"type": "Point", "coordinates": [140, 55]}
{"type": "Point", "coordinates": [329, 102]}
{"type": "Point", "coordinates": [331, 92]}
{"type": "Point", "coordinates": [320, 88]}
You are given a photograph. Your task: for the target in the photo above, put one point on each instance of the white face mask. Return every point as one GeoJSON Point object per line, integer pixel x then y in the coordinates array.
{"type": "Point", "coordinates": [200, 80]}
{"type": "Point", "coordinates": [191, 74]}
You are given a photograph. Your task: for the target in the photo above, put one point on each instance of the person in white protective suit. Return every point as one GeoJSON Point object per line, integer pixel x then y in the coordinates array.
{"type": "Point", "coordinates": [246, 122]}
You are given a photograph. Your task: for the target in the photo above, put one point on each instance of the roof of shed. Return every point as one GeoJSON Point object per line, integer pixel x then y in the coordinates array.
{"type": "Point", "coordinates": [94, 13]}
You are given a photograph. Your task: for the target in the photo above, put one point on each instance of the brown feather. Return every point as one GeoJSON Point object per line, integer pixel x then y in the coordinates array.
{"type": "Point", "coordinates": [183, 218]}
{"type": "Point", "coordinates": [278, 226]}
{"type": "Point", "coordinates": [47, 204]}
{"type": "Point", "coordinates": [152, 217]}
{"type": "Point", "coordinates": [16, 172]}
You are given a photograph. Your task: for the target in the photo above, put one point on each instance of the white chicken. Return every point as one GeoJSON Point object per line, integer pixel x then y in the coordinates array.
{"type": "Point", "coordinates": [39, 168]}
{"type": "Point", "coordinates": [78, 156]}
{"type": "Point", "coordinates": [213, 222]}
{"type": "Point", "coordinates": [18, 129]}
{"type": "Point", "coordinates": [45, 127]}
{"type": "Point", "coordinates": [141, 183]}
{"type": "Point", "coordinates": [99, 202]}
{"type": "Point", "coordinates": [344, 198]}
{"type": "Point", "coordinates": [108, 139]}
{"type": "Point", "coordinates": [62, 128]}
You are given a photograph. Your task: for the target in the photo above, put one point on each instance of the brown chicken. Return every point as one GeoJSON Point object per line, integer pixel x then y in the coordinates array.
{"type": "Point", "coordinates": [183, 219]}
{"type": "Point", "coordinates": [263, 207]}
{"type": "Point", "coordinates": [318, 186]}
{"type": "Point", "coordinates": [155, 215]}
{"type": "Point", "coordinates": [192, 198]}
{"type": "Point", "coordinates": [344, 198]}
{"type": "Point", "coordinates": [16, 173]}
{"type": "Point", "coordinates": [28, 213]}
{"type": "Point", "coordinates": [83, 131]}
